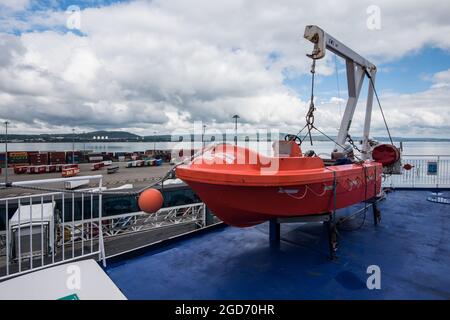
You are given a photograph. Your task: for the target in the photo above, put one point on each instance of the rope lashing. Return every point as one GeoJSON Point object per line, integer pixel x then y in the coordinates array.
{"type": "Point", "coordinates": [307, 188]}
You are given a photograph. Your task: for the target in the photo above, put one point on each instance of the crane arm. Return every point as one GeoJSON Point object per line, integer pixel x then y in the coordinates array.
{"type": "Point", "coordinates": [357, 68]}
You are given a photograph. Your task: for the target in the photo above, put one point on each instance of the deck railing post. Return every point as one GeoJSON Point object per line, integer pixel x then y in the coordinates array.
{"type": "Point", "coordinates": [52, 233]}
{"type": "Point", "coordinates": [63, 227]}
{"type": "Point", "coordinates": [204, 215]}
{"type": "Point", "coordinates": [19, 237]}
{"type": "Point", "coordinates": [100, 227]}
{"type": "Point", "coordinates": [42, 231]}
{"type": "Point", "coordinates": [31, 232]}
{"type": "Point", "coordinates": [437, 171]}
{"type": "Point", "coordinates": [8, 240]}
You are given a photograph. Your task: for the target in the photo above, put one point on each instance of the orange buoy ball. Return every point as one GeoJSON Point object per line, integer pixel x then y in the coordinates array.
{"type": "Point", "coordinates": [150, 201]}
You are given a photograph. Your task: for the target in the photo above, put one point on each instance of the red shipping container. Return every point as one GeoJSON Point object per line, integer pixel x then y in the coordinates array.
{"type": "Point", "coordinates": [37, 169]}
{"type": "Point", "coordinates": [58, 161]}
{"type": "Point", "coordinates": [70, 172]}
{"type": "Point", "coordinates": [57, 156]}
{"type": "Point", "coordinates": [41, 169]}
{"type": "Point", "coordinates": [58, 153]}
{"type": "Point", "coordinates": [69, 166]}
{"type": "Point", "coordinates": [20, 170]}
{"type": "Point", "coordinates": [38, 159]}
{"type": "Point", "coordinates": [97, 166]}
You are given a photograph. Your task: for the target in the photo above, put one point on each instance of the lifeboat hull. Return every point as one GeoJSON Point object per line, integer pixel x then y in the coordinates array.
{"type": "Point", "coordinates": [242, 195]}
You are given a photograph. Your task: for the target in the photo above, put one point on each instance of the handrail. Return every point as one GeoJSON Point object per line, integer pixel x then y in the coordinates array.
{"type": "Point", "coordinates": [38, 239]}
{"type": "Point", "coordinates": [425, 155]}
{"type": "Point", "coordinates": [136, 213]}
{"type": "Point", "coordinates": [54, 180]}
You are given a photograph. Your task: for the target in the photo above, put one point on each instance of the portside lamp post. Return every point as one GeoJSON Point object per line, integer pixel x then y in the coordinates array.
{"type": "Point", "coordinates": [73, 146]}
{"type": "Point", "coordinates": [203, 136]}
{"type": "Point", "coordinates": [235, 117]}
{"type": "Point", "coordinates": [84, 143]}
{"type": "Point", "coordinates": [6, 151]}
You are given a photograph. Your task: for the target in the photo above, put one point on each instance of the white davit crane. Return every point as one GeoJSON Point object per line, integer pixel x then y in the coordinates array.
{"type": "Point", "coordinates": [357, 68]}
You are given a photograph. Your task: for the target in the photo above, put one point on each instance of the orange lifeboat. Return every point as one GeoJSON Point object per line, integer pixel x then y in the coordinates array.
{"type": "Point", "coordinates": [244, 188]}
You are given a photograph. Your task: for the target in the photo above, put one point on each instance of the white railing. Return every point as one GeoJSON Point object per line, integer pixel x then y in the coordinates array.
{"type": "Point", "coordinates": [133, 222]}
{"type": "Point", "coordinates": [428, 171]}
{"type": "Point", "coordinates": [45, 229]}
{"type": "Point", "coordinates": [38, 228]}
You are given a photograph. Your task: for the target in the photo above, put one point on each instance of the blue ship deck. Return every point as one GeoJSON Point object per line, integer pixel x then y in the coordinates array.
{"type": "Point", "coordinates": [411, 246]}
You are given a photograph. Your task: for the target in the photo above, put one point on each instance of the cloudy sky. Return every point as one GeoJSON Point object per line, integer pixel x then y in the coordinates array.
{"type": "Point", "coordinates": [147, 66]}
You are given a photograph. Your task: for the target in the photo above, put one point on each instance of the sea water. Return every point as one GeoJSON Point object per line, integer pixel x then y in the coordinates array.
{"type": "Point", "coordinates": [320, 147]}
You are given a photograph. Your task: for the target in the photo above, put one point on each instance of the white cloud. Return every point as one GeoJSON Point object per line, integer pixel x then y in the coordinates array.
{"type": "Point", "coordinates": [15, 5]}
{"type": "Point", "coordinates": [421, 114]}
{"type": "Point", "coordinates": [441, 79]}
{"type": "Point", "coordinates": [160, 65]}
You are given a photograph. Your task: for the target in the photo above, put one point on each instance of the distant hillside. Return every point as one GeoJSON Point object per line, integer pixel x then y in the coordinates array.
{"type": "Point", "coordinates": [124, 136]}
{"type": "Point", "coordinates": [161, 138]}
{"type": "Point", "coordinates": [112, 135]}
{"type": "Point", "coordinates": [69, 137]}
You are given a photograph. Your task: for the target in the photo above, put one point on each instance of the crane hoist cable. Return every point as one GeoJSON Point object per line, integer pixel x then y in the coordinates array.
{"type": "Point", "coordinates": [379, 104]}
{"type": "Point", "coordinates": [310, 115]}
{"type": "Point", "coordinates": [312, 108]}
{"type": "Point", "coordinates": [338, 85]}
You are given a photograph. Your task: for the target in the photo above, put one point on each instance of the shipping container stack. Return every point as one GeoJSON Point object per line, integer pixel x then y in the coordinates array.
{"type": "Point", "coordinates": [17, 158]}
{"type": "Point", "coordinates": [128, 156]}
{"type": "Point", "coordinates": [57, 157]}
{"type": "Point", "coordinates": [77, 155]}
{"type": "Point", "coordinates": [84, 155]}
{"type": "Point", "coordinates": [164, 155]}
{"type": "Point", "coordinates": [120, 156]}
{"type": "Point", "coordinates": [54, 159]}
{"type": "Point", "coordinates": [2, 159]}
{"type": "Point", "coordinates": [95, 157]}
{"type": "Point", "coordinates": [108, 156]}
{"type": "Point", "coordinates": [123, 156]}
{"type": "Point", "coordinates": [38, 158]}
